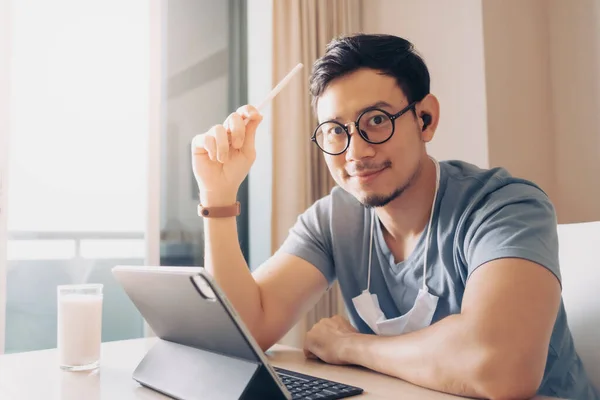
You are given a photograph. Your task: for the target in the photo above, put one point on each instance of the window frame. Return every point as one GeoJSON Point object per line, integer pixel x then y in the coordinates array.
{"type": "Point", "coordinates": [5, 51]}
{"type": "Point", "coordinates": [238, 96]}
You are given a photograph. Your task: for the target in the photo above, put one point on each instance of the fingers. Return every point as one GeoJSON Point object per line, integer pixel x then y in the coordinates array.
{"type": "Point", "coordinates": [252, 118]}
{"type": "Point", "coordinates": [205, 144]}
{"type": "Point", "coordinates": [215, 142]}
{"type": "Point", "coordinates": [222, 139]}
{"type": "Point", "coordinates": [236, 133]}
{"type": "Point", "coordinates": [235, 125]}
{"type": "Point", "coordinates": [310, 355]}
{"type": "Point", "coordinates": [307, 348]}
{"type": "Point", "coordinates": [247, 111]}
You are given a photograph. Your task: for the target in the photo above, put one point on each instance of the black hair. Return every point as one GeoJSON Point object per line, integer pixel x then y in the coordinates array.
{"type": "Point", "coordinates": [389, 55]}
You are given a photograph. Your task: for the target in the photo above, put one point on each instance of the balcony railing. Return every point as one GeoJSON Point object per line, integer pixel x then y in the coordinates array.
{"type": "Point", "coordinates": [65, 245]}
{"type": "Point", "coordinates": [39, 261]}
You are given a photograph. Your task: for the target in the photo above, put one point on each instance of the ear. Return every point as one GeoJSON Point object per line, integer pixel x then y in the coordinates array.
{"type": "Point", "coordinates": [428, 112]}
{"type": "Point", "coordinates": [426, 117]}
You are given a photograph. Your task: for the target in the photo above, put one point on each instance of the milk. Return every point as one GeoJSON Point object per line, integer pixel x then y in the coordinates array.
{"type": "Point", "coordinates": [79, 326]}
{"type": "Point", "coordinates": [83, 385]}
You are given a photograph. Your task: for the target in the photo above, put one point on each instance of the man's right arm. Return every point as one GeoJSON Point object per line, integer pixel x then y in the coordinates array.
{"type": "Point", "coordinates": [272, 299]}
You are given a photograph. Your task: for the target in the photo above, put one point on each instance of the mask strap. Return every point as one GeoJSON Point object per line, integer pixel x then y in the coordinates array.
{"type": "Point", "coordinates": [437, 186]}
{"type": "Point", "coordinates": [370, 251]}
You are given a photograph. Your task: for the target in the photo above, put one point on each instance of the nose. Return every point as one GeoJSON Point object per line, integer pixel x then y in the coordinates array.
{"type": "Point", "coordinates": [358, 148]}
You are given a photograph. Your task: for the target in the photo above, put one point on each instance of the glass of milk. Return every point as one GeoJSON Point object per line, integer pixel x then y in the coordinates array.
{"type": "Point", "coordinates": [79, 326]}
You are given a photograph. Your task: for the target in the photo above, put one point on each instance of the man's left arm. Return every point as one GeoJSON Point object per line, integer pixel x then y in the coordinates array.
{"type": "Point", "coordinates": [497, 346]}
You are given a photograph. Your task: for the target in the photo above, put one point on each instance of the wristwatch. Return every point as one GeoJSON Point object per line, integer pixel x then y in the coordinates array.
{"type": "Point", "coordinates": [220, 212]}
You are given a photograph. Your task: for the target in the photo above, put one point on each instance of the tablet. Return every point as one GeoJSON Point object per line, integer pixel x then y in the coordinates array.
{"type": "Point", "coordinates": [205, 350]}
{"type": "Point", "coordinates": [184, 306]}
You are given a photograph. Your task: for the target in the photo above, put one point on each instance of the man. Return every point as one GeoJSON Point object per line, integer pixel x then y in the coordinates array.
{"type": "Point", "coordinates": [463, 261]}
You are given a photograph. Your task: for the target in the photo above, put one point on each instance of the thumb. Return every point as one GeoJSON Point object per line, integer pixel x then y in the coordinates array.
{"type": "Point", "coordinates": [309, 354]}
{"type": "Point", "coordinates": [250, 135]}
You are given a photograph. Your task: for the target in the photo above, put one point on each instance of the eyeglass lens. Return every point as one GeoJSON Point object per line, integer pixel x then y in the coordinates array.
{"type": "Point", "coordinates": [375, 127]}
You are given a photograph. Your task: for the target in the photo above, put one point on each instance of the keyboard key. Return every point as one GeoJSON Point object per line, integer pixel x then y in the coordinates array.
{"type": "Point", "coordinates": [309, 388]}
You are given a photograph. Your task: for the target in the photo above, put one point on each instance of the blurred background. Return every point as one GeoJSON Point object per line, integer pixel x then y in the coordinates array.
{"type": "Point", "coordinates": [99, 101]}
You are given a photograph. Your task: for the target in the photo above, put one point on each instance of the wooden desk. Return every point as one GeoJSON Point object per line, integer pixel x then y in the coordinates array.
{"type": "Point", "coordinates": [36, 375]}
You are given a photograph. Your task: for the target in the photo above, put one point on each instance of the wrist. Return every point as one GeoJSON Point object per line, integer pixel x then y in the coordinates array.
{"type": "Point", "coordinates": [213, 199]}
{"type": "Point", "coordinates": [352, 346]}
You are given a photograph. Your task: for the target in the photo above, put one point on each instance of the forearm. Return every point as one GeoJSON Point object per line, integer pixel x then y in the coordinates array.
{"type": "Point", "coordinates": [449, 356]}
{"type": "Point", "coordinates": [224, 260]}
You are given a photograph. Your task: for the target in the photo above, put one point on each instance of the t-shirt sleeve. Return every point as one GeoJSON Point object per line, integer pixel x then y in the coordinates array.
{"type": "Point", "coordinates": [310, 238]}
{"type": "Point", "coordinates": [515, 221]}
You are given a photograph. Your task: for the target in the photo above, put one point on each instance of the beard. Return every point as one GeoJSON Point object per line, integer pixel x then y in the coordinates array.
{"type": "Point", "coordinates": [379, 200]}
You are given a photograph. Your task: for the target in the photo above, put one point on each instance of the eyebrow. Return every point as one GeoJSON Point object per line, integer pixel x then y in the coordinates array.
{"type": "Point", "coordinates": [379, 104]}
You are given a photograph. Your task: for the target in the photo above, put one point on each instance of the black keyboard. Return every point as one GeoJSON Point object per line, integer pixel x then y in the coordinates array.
{"type": "Point", "coordinates": [307, 387]}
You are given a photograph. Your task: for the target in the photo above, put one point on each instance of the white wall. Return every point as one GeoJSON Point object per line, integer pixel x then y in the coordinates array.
{"type": "Point", "coordinates": [156, 115]}
{"type": "Point", "coordinates": [543, 90]}
{"type": "Point", "coordinates": [449, 35]}
{"type": "Point", "coordinates": [196, 30]}
{"type": "Point", "coordinates": [5, 41]}
{"type": "Point", "coordinates": [260, 82]}
{"type": "Point", "coordinates": [190, 22]}
{"type": "Point", "coordinates": [575, 72]}
{"type": "Point", "coordinates": [519, 87]}
{"type": "Point", "coordinates": [519, 95]}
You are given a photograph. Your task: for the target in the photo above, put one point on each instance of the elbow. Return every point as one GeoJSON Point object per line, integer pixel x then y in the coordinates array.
{"type": "Point", "coordinates": [505, 376]}
{"type": "Point", "coordinates": [264, 337]}
{"type": "Point", "coordinates": [257, 327]}
{"type": "Point", "coordinates": [264, 345]}
{"type": "Point", "coordinates": [261, 336]}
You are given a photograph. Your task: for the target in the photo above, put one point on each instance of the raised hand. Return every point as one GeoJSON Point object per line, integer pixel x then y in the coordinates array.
{"type": "Point", "coordinates": [222, 157]}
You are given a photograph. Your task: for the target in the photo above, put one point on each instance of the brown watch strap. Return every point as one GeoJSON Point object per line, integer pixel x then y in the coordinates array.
{"type": "Point", "coordinates": [220, 212]}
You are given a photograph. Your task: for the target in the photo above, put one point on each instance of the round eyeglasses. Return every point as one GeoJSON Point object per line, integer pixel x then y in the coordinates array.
{"type": "Point", "coordinates": [374, 125]}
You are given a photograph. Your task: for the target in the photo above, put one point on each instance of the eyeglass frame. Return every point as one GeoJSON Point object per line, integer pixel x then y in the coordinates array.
{"type": "Point", "coordinates": [392, 117]}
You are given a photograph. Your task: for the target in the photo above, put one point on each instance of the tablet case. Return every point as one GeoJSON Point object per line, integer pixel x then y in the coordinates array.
{"type": "Point", "coordinates": [202, 351]}
{"type": "Point", "coordinates": [188, 373]}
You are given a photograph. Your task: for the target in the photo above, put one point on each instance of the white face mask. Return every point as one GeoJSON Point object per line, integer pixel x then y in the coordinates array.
{"type": "Point", "coordinates": [420, 315]}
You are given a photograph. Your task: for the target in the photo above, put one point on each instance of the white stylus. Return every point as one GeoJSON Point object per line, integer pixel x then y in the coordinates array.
{"type": "Point", "coordinates": [274, 92]}
{"type": "Point", "coordinates": [278, 88]}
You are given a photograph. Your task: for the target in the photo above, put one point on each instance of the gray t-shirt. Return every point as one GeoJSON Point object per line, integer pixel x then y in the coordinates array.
{"type": "Point", "coordinates": [480, 215]}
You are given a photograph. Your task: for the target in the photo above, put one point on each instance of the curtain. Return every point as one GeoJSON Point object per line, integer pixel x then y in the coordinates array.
{"type": "Point", "coordinates": [301, 31]}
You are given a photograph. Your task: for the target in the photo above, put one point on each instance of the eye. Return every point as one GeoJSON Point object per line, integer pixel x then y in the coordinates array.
{"type": "Point", "coordinates": [377, 119]}
{"type": "Point", "coordinates": [335, 130]}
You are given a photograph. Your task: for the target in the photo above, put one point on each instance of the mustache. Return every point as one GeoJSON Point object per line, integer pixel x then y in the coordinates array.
{"type": "Point", "coordinates": [358, 167]}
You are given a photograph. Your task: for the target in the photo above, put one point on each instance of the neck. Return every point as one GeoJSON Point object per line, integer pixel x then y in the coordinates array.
{"type": "Point", "coordinates": [407, 216]}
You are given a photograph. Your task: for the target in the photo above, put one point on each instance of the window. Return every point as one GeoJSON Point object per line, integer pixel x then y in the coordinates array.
{"type": "Point", "coordinates": [206, 81]}
{"type": "Point", "coordinates": [79, 148]}
{"type": "Point", "coordinates": [77, 160]}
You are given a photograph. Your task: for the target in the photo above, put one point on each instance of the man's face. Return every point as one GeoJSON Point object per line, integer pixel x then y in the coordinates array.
{"type": "Point", "coordinates": [373, 173]}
